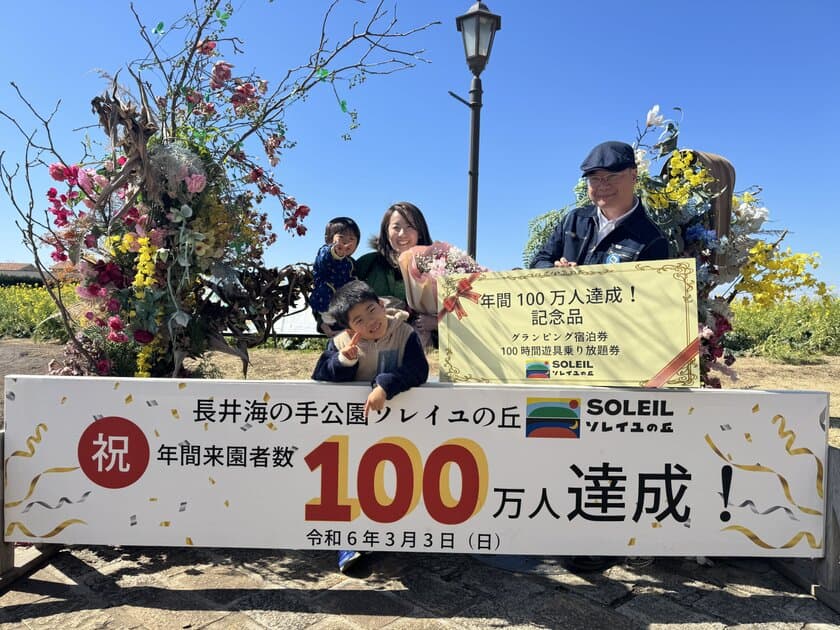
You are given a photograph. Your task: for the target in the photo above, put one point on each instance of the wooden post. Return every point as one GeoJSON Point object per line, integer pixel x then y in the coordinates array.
{"type": "Point", "coordinates": [827, 587]}
{"type": "Point", "coordinates": [7, 550]}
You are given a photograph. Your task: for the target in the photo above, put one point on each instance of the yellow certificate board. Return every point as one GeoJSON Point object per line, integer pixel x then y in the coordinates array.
{"type": "Point", "coordinates": [630, 324]}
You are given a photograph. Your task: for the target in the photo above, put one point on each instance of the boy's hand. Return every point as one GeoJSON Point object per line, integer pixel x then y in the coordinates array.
{"type": "Point", "coordinates": [376, 400]}
{"type": "Point", "coordinates": [351, 351]}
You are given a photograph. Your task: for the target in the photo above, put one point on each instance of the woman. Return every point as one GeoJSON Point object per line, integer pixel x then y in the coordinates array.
{"type": "Point", "coordinates": [403, 226]}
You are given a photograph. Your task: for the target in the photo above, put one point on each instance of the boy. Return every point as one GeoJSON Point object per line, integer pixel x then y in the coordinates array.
{"type": "Point", "coordinates": [333, 268]}
{"type": "Point", "coordinates": [375, 347]}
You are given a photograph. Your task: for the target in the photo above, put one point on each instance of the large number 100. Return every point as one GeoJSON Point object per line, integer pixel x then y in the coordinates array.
{"type": "Point", "coordinates": [411, 479]}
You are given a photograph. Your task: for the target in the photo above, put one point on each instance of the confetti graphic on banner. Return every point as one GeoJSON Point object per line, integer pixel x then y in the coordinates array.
{"type": "Point", "coordinates": [748, 503]}
{"type": "Point", "coordinates": [756, 540]}
{"type": "Point", "coordinates": [36, 479]}
{"type": "Point", "coordinates": [791, 438]}
{"type": "Point", "coordinates": [61, 501]}
{"type": "Point", "coordinates": [763, 469]}
{"type": "Point", "coordinates": [31, 441]}
{"type": "Point", "coordinates": [58, 529]}
{"type": "Point", "coordinates": [132, 520]}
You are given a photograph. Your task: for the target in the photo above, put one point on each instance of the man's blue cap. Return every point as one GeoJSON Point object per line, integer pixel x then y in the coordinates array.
{"type": "Point", "coordinates": [609, 156]}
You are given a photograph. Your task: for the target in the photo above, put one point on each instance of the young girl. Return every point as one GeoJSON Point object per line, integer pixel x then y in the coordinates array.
{"type": "Point", "coordinates": [333, 268]}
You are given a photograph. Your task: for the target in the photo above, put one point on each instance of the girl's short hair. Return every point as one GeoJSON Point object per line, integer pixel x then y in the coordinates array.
{"type": "Point", "coordinates": [341, 225]}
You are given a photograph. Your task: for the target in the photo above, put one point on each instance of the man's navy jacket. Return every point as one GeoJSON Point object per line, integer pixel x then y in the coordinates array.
{"type": "Point", "coordinates": [635, 238]}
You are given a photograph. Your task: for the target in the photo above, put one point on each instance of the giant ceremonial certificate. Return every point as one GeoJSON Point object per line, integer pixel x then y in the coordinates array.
{"type": "Point", "coordinates": [630, 324]}
{"type": "Point", "coordinates": [504, 469]}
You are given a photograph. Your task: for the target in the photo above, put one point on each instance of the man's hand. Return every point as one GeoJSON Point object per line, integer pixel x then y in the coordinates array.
{"type": "Point", "coordinates": [351, 351]}
{"type": "Point", "coordinates": [376, 400]}
{"type": "Point", "coordinates": [564, 263]}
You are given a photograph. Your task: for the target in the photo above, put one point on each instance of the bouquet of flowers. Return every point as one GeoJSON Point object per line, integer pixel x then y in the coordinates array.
{"type": "Point", "coordinates": [422, 265]}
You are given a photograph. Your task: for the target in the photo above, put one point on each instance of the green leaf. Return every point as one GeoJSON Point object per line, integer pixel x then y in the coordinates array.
{"type": "Point", "coordinates": [322, 73]}
{"type": "Point", "coordinates": [158, 30]}
{"type": "Point", "coordinates": [343, 105]}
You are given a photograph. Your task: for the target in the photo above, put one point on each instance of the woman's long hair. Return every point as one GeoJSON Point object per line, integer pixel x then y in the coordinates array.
{"type": "Point", "coordinates": [415, 219]}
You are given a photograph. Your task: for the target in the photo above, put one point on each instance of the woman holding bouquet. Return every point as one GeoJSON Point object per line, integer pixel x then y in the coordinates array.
{"type": "Point", "coordinates": [403, 226]}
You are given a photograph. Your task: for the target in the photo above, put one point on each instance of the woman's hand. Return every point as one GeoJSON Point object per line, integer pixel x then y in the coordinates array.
{"type": "Point", "coordinates": [426, 323]}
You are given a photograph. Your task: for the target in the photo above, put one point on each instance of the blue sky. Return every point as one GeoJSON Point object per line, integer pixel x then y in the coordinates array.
{"type": "Point", "coordinates": [758, 83]}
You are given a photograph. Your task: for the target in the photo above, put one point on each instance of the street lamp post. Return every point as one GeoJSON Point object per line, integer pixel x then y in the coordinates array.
{"type": "Point", "coordinates": [478, 27]}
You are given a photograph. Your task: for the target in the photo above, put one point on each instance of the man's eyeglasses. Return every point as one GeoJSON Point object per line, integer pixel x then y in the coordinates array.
{"type": "Point", "coordinates": [601, 180]}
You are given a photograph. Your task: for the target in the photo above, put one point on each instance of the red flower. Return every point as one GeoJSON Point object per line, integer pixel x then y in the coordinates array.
{"type": "Point", "coordinates": [103, 366]}
{"type": "Point", "coordinates": [302, 211]}
{"type": "Point", "coordinates": [143, 336]}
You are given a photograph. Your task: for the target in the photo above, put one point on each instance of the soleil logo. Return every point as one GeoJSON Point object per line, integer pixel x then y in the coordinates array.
{"type": "Point", "coordinates": [537, 369]}
{"type": "Point", "coordinates": [552, 418]}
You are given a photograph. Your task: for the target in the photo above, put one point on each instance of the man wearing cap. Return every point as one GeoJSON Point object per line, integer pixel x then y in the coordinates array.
{"type": "Point", "coordinates": [616, 227]}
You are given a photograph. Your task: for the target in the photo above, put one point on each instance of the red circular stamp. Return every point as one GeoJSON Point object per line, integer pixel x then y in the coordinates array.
{"type": "Point", "coordinates": [113, 452]}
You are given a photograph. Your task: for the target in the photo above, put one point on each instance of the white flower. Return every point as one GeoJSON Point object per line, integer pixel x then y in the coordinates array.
{"type": "Point", "coordinates": [642, 163]}
{"type": "Point", "coordinates": [654, 118]}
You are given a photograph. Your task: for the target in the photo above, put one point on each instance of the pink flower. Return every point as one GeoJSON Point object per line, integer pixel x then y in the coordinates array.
{"type": "Point", "coordinates": [122, 160]}
{"type": "Point", "coordinates": [89, 203]}
{"type": "Point", "coordinates": [89, 315]}
{"type": "Point", "coordinates": [85, 181]}
{"type": "Point", "coordinates": [193, 97]}
{"type": "Point", "coordinates": [143, 336]}
{"type": "Point", "coordinates": [91, 291]}
{"type": "Point", "coordinates": [90, 240]}
{"type": "Point", "coordinates": [117, 337]}
{"type": "Point", "coordinates": [57, 172]}
{"type": "Point", "coordinates": [195, 183]}
{"type": "Point", "coordinates": [71, 173]}
{"type": "Point", "coordinates": [112, 306]}
{"type": "Point", "coordinates": [244, 98]}
{"type": "Point", "coordinates": [115, 323]}
{"type": "Point", "coordinates": [221, 74]}
{"type": "Point", "coordinates": [206, 47]}
{"type": "Point", "coordinates": [58, 255]}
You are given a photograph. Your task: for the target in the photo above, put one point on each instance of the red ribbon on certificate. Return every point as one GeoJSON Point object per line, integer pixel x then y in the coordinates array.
{"type": "Point", "coordinates": [463, 289]}
{"type": "Point", "coordinates": [675, 364]}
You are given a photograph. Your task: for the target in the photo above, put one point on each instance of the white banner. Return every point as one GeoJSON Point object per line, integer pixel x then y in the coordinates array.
{"type": "Point", "coordinates": [503, 469]}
